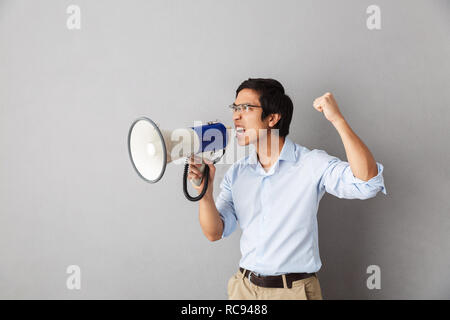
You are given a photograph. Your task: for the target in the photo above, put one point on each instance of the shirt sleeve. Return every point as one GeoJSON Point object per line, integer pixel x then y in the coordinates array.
{"type": "Point", "coordinates": [225, 206]}
{"type": "Point", "coordinates": [338, 179]}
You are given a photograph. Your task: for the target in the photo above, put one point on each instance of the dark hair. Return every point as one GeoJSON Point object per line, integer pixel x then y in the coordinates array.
{"type": "Point", "coordinates": [273, 100]}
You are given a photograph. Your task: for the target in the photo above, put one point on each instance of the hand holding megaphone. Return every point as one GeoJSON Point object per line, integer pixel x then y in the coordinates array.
{"type": "Point", "coordinates": [196, 173]}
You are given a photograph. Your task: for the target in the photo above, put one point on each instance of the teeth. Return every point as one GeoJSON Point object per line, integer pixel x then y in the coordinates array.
{"type": "Point", "coordinates": [240, 129]}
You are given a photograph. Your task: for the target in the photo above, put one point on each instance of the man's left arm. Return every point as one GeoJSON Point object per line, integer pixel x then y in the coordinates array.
{"type": "Point", "coordinates": [361, 160]}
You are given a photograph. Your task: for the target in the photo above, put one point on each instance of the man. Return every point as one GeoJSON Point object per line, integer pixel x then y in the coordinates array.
{"type": "Point", "coordinates": [274, 193]}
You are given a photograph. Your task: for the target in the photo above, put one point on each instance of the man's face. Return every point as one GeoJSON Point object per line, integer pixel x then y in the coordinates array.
{"type": "Point", "coordinates": [250, 121]}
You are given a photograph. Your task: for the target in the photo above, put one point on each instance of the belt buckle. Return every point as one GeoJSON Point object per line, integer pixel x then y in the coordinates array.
{"type": "Point", "coordinates": [250, 274]}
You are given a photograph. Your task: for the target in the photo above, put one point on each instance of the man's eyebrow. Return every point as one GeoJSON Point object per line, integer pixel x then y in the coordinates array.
{"type": "Point", "coordinates": [249, 103]}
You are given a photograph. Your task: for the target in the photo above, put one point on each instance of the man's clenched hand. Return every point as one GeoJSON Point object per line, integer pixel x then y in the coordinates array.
{"type": "Point", "coordinates": [329, 107]}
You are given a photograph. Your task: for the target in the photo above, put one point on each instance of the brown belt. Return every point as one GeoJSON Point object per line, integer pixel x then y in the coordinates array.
{"type": "Point", "coordinates": [274, 281]}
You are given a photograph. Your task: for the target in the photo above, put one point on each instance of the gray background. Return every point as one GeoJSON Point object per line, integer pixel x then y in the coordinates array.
{"type": "Point", "coordinates": [68, 193]}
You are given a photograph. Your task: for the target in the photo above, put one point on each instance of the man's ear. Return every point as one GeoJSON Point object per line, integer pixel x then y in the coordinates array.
{"type": "Point", "coordinates": [273, 119]}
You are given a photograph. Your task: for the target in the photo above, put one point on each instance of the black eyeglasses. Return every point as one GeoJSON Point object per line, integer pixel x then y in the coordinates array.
{"type": "Point", "coordinates": [242, 107]}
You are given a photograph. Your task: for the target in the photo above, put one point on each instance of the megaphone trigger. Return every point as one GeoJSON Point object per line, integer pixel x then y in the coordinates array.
{"type": "Point", "coordinates": [198, 182]}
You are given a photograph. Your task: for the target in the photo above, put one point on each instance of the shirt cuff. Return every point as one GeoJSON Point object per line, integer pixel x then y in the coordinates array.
{"type": "Point", "coordinates": [375, 182]}
{"type": "Point", "coordinates": [229, 223]}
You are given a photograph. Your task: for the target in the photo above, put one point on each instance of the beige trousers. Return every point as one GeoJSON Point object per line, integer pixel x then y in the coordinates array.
{"type": "Point", "coordinates": [240, 288]}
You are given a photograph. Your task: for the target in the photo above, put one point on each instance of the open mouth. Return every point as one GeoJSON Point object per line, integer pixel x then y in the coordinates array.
{"type": "Point", "coordinates": [240, 131]}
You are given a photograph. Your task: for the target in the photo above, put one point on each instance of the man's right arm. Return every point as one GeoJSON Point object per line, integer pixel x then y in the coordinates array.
{"type": "Point", "coordinates": [210, 221]}
{"type": "Point", "coordinates": [209, 217]}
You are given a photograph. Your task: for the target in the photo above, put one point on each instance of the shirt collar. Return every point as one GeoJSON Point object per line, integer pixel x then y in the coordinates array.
{"type": "Point", "coordinates": [287, 153]}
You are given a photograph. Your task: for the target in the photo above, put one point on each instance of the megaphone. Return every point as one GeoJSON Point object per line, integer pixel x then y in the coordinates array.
{"type": "Point", "coordinates": [150, 149]}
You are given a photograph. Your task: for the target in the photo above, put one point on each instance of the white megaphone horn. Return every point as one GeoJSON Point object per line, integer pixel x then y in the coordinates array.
{"type": "Point", "coordinates": [150, 149]}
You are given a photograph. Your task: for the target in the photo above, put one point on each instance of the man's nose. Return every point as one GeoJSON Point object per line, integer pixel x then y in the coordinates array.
{"type": "Point", "coordinates": [236, 115]}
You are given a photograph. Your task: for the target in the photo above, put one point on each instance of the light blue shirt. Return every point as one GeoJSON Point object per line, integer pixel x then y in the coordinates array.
{"type": "Point", "coordinates": [277, 210]}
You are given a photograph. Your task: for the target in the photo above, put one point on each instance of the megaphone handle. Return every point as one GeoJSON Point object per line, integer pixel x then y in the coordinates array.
{"type": "Point", "coordinates": [205, 169]}
{"type": "Point", "coordinates": [198, 182]}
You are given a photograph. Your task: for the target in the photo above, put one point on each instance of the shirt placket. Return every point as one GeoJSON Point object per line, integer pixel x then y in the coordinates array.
{"type": "Point", "coordinates": [265, 199]}
{"type": "Point", "coordinates": [261, 231]}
